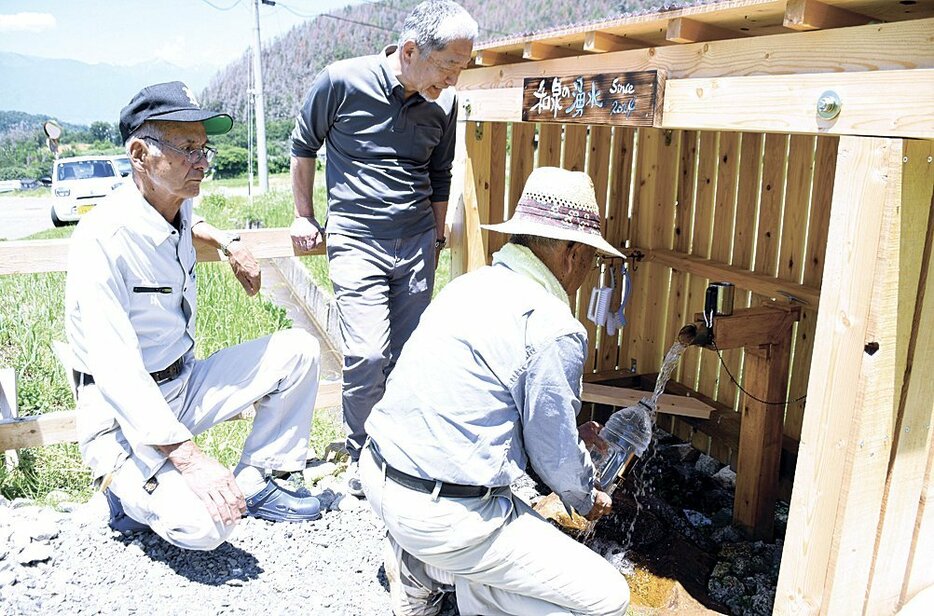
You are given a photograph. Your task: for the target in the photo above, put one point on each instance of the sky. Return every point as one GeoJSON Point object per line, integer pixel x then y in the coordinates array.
{"type": "Point", "coordinates": [186, 33]}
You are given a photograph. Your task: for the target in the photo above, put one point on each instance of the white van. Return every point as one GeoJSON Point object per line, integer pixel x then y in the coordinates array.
{"type": "Point", "coordinates": [81, 182]}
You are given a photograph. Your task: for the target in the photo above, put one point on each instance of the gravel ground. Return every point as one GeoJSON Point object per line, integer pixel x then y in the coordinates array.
{"type": "Point", "coordinates": [70, 562]}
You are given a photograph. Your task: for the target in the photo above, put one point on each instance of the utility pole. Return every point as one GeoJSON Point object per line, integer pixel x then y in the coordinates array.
{"type": "Point", "coordinates": [260, 113]}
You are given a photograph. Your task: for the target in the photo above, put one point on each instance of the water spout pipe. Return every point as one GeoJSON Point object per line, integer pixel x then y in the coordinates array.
{"type": "Point", "coordinates": [695, 334]}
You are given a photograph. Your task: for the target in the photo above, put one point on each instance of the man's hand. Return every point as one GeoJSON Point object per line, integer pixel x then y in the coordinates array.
{"type": "Point", "coordinates": [590, 434]}
{"type": "Point", "coordinates": [214, 484]}
{"type": "Point", "coordinates": [602, 505]}
{"type": "Point", "coordinates": [244, 267]}
{"type": "Point", "coordinates": [306, 233]}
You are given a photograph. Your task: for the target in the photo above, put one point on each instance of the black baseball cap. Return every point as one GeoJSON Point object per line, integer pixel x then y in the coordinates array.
{"type": "Point", "coordinates": [170, 102]}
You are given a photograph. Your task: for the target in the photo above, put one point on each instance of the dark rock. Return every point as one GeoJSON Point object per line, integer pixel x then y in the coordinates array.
{"type": "Point", "coordinates": [725, 589]}
{"type": "Point", "coordinates": [723, 517]}
{"type": "Point", "coordinates": [762, 603]}
{"type": "Point", "coordinates": [707, 465]}
{"type": "Point", "coordinates": [725, 477]}
{"type": "Point", "coordinates": [727, 534]}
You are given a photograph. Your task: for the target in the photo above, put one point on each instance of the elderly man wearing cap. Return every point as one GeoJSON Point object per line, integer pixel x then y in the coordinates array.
{"type": "Point", "coordinates": [489, 382]}
{"type": "Point", "coordinates": [130, 305]}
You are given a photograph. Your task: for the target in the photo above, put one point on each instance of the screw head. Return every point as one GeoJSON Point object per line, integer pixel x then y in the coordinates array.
{"type": "Point", "coordinates": [829, 105]}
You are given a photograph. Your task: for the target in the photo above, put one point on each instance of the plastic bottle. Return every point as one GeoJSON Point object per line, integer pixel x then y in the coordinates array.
{"type": "Point", "coordinates": [628, 433]}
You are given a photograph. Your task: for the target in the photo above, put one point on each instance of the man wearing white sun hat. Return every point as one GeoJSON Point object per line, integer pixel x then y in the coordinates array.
{"type": "Point", "coordinates": [489, 382]}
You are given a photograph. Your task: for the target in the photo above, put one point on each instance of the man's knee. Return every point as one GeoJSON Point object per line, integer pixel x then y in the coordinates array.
{"type": "Point", "coordinates": [198, 533]}
{"type": "Point", "coordinates": [298, 343]}
{"type": "Point", "coordinates": [367, 360]}
{"type": "Point", "coordinates": [614, 602]}
{"type": "Point", "coordinates": [297, 351]}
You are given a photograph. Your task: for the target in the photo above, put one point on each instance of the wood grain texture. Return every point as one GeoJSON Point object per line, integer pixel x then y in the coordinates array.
{"type": "Point", "coordinates": [477, 174]}
{"type": "Point", "coordinates": [497, 214]}
{"type": "Point", "coordinates": [816, 15]}
{"type": "Point", "coordinates": [623, 396]}
{"type": "Point", "coordinates": [914, 363]}
{"type": "Point", "coordinates": [877, 47]}
{"type": "Point", "coordinates": [838, 454]}
{"type": "Point", "coordinates": [788, 104]}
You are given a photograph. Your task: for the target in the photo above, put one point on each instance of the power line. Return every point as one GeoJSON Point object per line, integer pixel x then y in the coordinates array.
{"type": "Point", "coordinates": [221, 8]}
{"type": "Point", "coordinates": [384, 4]}
{"type": "Point", "coordinates": [359, 23]}
{"type": "Point", "coordinates": [352, 21]}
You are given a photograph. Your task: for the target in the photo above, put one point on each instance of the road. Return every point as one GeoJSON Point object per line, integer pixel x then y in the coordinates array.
{"type": "Point", "coordinates": [23, 216]}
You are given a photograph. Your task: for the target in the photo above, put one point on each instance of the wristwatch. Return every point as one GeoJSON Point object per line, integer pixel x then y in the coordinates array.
{"type": "Point", "coordinates": [440, 242]}
{"type": "Point", "coordinates": [227, 241]}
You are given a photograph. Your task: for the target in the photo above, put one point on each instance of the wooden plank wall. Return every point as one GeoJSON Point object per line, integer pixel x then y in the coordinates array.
{"type": "Point", "coordinates": [754, 201]}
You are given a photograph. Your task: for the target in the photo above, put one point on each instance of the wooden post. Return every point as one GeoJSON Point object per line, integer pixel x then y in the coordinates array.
{"type": "Point", "coordinates": [9, 408]}
{"type": "Point", "coordinates": [765, 333]}
{"type": "Point", "coordinates": [479, 141]}
{"type": "Point", "coordinates": [846, 436]}
{"type": "Point", "coordinates": [760, 438]}
{"type": "Point", "coordinates": [456, 217]}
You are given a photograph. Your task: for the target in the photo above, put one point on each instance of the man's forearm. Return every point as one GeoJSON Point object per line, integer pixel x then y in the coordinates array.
{"type": "Point", "coordinates": [303, 186]}
{"type": "Point", "coordinates": [440, 210]}
{"type": "Point", "coordinates": [203, 232]}
{"type": "Point", "coordinates": [181, 455]}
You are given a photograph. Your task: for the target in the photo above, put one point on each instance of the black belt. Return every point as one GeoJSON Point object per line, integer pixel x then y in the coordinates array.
{"type": "Point", "coordinates": [160, 376]}
{"type": "Point", "coordinates": [428, 486]}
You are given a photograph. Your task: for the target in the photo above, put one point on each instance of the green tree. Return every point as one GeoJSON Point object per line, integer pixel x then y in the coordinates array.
{"type": "Point", "coordinates": [230, 161]}
{"type": "Point", "coordinates": [103, 131]}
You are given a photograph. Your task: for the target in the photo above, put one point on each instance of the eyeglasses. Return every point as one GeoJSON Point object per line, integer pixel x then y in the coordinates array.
{"type": "Point", "coordinates": [193, 156]}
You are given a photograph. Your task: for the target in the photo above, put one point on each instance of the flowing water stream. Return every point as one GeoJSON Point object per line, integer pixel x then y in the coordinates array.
{"type": "Point", "coordinates": [644, 484]}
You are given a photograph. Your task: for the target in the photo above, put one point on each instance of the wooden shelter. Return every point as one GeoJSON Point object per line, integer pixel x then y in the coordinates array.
{"type": "Point", "coordinates": [786, 147]}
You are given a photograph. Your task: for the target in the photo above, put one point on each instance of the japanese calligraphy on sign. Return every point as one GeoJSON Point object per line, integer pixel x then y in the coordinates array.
{"type": "Point", "coordinates": [607, 98]}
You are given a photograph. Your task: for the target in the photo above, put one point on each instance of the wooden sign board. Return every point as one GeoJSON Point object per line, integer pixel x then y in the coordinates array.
{"type": "Point", "coordinates": [626, 99]}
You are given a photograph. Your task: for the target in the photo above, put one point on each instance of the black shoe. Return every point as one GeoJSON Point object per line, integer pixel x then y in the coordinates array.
{"type": "Point", "coordinates": [119, 520]}
{"type": "Point", "coordinates": [276, 504]}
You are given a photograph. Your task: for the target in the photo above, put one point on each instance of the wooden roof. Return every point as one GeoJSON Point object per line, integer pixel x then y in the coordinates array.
{"type": "Point", "coordinates": [731, 19]}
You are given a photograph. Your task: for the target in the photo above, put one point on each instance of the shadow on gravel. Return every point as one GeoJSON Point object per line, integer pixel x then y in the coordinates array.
{"type": "Point", "coordinates": [227, 564]}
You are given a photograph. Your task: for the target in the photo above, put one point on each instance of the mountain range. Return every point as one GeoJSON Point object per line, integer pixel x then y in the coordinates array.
{"type": "Point", "coordinates": [78, 92]}
{"type": "Point", "coordinates": [81, 93]}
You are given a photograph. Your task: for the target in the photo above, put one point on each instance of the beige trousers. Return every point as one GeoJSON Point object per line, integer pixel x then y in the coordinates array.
{"type": "Point", "coordinates": [279, 373]}
{"type": "Point", "coordinates": [505, 559]}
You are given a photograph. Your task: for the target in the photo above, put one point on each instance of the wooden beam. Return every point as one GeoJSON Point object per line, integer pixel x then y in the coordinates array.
{"type": "Point", "coordinates": [762, 284]}
{"type": "Point", "coordinates": [496, 105]}
{"type": "Point", "coordinates": [625, 396]}
{"type": "Point", "coordinates": [767, 324]}
{"type": "Point", "coordinates": [879, 47]}
{"type": "Point", "coordinates": [602, 42]}
{"type": "Point", "coordinates": [686, 30]}
{"type": "Point", "coordinates": [59, 426]}
{"type": "Point", "coordinates": [847, 430]}
{"type": "Point", "coordinates": [816, 15]}
{"type": "Point", "coordinates": [488, 57]}
{"type": "Point", "coordinates": [39, 256]}
{"type": "Point", "coordinates": [543, 51]}
{"type": "Point", "coordinates": [788, 104]}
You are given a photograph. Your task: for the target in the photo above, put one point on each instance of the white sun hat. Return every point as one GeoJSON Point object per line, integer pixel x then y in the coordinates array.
{"type": "Point", "coordinates": [558, 204]}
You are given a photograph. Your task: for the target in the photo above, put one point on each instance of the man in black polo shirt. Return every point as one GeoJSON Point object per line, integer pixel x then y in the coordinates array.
{"type": "Point", "coordinates": [388, 122]}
